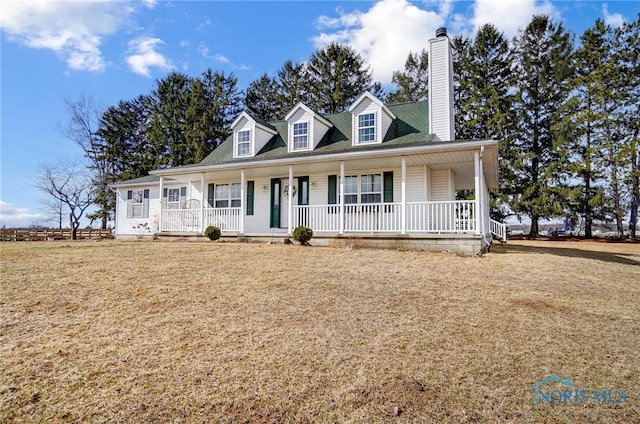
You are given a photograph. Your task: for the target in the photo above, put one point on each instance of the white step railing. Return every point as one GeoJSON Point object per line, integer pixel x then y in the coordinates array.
{"type": "Point", "coordinates": [498, 229]}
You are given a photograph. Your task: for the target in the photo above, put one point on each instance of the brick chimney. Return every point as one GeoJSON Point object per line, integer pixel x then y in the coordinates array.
{"type": "Point", "coordinates": [441, 121]}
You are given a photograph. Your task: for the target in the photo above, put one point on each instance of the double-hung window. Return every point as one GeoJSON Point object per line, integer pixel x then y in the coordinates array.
{"type": "Point", "coordinates": [227, 195]}
{"type": "Point", "coordinates": [243, 143]}
{"type": "Point", "coordinates": [300, 135]}
{"type": "Point", "coordinates": [371, 188]}
{"type": "Point", "coordinates": [351, 189]}
{"type": "Point", "coordinates": [137, 203]}
{"type": "Point", "coordinates": [367, 128]}
{"type": "Point", "coordinates": [173, 198]}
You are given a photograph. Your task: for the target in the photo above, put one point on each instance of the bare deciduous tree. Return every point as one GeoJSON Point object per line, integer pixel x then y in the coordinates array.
{"type": "Point", "coordinates": [82, 129]}
{"type": "Point", "coordinates": [68, 184]}
{"type": "Point", "coordinates": [53, 209]}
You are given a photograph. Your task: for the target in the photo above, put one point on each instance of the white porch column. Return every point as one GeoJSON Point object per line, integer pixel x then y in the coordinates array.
{"type": "Point", "coordinates": [242, 201]}
{"type": "Point", "coordinates": [160, 217]}
{"type": "Point", "coordinates": [341, 197]}
{"type": "Point", "coordinates": [290, 199]}
{"type": "Point", "coordinates": [202, 203]}
{"type": "Point", "coordinates": [477, 191]}
{"type": "Point", "coordinates": [404, 196]}
{"type": "Point", "coordinates": [484, 204]}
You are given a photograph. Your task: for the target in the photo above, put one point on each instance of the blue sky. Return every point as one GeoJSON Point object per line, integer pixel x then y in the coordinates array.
{"type": "Point", "coordinates": [110, 51]}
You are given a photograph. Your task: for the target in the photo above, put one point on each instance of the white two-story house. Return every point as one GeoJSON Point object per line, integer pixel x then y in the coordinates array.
{"type": "Point", "coordinates": [383, 175]}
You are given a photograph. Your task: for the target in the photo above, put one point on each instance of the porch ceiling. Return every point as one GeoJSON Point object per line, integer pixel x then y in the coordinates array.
{"type": "Point", "coordinates": [460, 161]}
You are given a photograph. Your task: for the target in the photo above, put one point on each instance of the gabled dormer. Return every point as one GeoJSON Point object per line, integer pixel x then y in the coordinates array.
{"type": "Point", "coordinates": [305, 128]}
{"type": "Point", "coordinates": [250, 134]}
{"type": "Point", "coordinates": [370, 121]}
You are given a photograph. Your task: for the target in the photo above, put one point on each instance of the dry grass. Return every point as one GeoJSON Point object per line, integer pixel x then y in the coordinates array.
{"type": "Point", "coordinates": [222, 332]}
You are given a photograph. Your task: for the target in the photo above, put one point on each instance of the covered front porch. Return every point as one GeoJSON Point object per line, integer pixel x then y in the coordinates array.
{"type": "Point", "coordinates": [408, 195]}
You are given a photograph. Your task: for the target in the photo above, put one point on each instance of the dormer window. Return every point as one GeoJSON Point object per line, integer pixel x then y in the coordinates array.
{"type": "Point", "coordinates": [367, 128]}
{"type": "Point", "coordinates": [244, 143]}
{"type": "Point", "coordinates": [305, 128]}
{"type": "Point", "coordinates": [300, 136]}
{"type": "Point", "coordinates": [250, 135]}
{"type": "Point", "coordinates": [370, 120]}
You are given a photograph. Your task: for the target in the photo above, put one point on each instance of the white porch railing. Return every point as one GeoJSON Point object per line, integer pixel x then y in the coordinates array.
{"type": "Point", "coordinates": [181, 220]}
{"type": "Point", "coordinates": [435, 217]}
{"type": "Point", "coordinates": [317, 217]}
{"type": "Point", "coordinates": [189, 220]}
{"type": "Point", "coordinates": [442, 217]}
{"type": "Point", "coordinates": [227, 219]}
{"type": "Point", "coordinates": [498, 229]}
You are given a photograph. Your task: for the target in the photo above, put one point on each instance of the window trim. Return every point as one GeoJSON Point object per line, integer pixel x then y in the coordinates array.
{"type": "Point", "coordinates": [294, 136]}
{"type": "Point", "coordinates": [142, 205]}
{"type": "Point", "coordinates": [173, 204]}
{"type": "Point", "coordinates": [230, 200]}
{"type": "Point", "coordinates": [359, 127]}
{"type": "Point", "coordinates": [359, 193]}
{"type": "Point", "coordinates": [243, 142]}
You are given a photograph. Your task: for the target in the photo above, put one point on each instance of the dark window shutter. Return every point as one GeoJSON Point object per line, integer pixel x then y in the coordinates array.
{"type": "Point", "coordinates": [388, 187]}
{"type": "Point", "coordinates": [250, 189]}
{"type": "Point", "coordinates": [145, 204]}
{"type": "Point", "coordinates": [165, 193]}
{"type": "Point", "coordinates": [333, 190]}
{"type": "Point", "coordinates": [210, 191]}
{"type": "Point", "coordinates": [129, 204]}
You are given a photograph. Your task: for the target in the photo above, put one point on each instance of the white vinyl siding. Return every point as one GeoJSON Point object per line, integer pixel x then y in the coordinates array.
{"type": "Point", "coordinates": [382, 121]}
{"type": "Point", "coordinates": [316, 128]}
{"type": "Point", "coordinates": [259, 221]}
{"type": "Point", "coordinates": [319, 129]}
{"type": "Point", "coordinates": [415, 184]}
{"type": "Point", "coordinates": [441, 122]}
{"type": "Point", "coordinates": [442, 185]}
{"type": "Point", "coordinates": [258, 136]}
{"type": "Point", "coordinates": [125, 226]}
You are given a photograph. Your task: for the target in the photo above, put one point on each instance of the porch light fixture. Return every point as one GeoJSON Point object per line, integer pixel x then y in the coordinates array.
{"type": "Point", "coordinates": [264, 189]}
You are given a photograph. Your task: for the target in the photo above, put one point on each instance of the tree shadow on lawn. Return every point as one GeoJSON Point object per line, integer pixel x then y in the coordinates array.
{"type": "Point", "coordinates": [620, 258]}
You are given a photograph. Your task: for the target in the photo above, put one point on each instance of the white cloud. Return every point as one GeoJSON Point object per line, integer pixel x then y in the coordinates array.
{"type": "Point", "coordinates": [143, 56]}
{"type": "Point", "coordinates": [204, 24]}
{"type": "Point", "coordinates": [13, 217]}
{"type": "Point", "coordinates": [204, 51]}
{"type": "Point", "coordinates": [149, 4]}
{"type": "Point", "coordinates": [509, 16]}
{"type": "Point", "coordinates": [385, 34]}
{"type": "Point", "coordinates": [613, 19]}
{"type": "Point", "coordinates": [73, 29]}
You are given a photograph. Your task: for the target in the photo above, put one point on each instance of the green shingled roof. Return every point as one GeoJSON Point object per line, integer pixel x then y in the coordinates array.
{"type": "Point", "coordinates": [409, 128]}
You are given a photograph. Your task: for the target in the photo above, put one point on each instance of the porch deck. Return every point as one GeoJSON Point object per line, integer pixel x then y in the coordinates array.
{"type": "Point", "coordinates": [420, 218]}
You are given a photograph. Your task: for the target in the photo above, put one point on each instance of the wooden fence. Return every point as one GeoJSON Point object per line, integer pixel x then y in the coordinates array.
{"type": "Point", "coordinates": [33, 234]}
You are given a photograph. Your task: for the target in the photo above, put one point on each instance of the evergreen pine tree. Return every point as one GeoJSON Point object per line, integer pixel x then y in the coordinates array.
{"type": "Point", "coordinates": [543, 65]}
